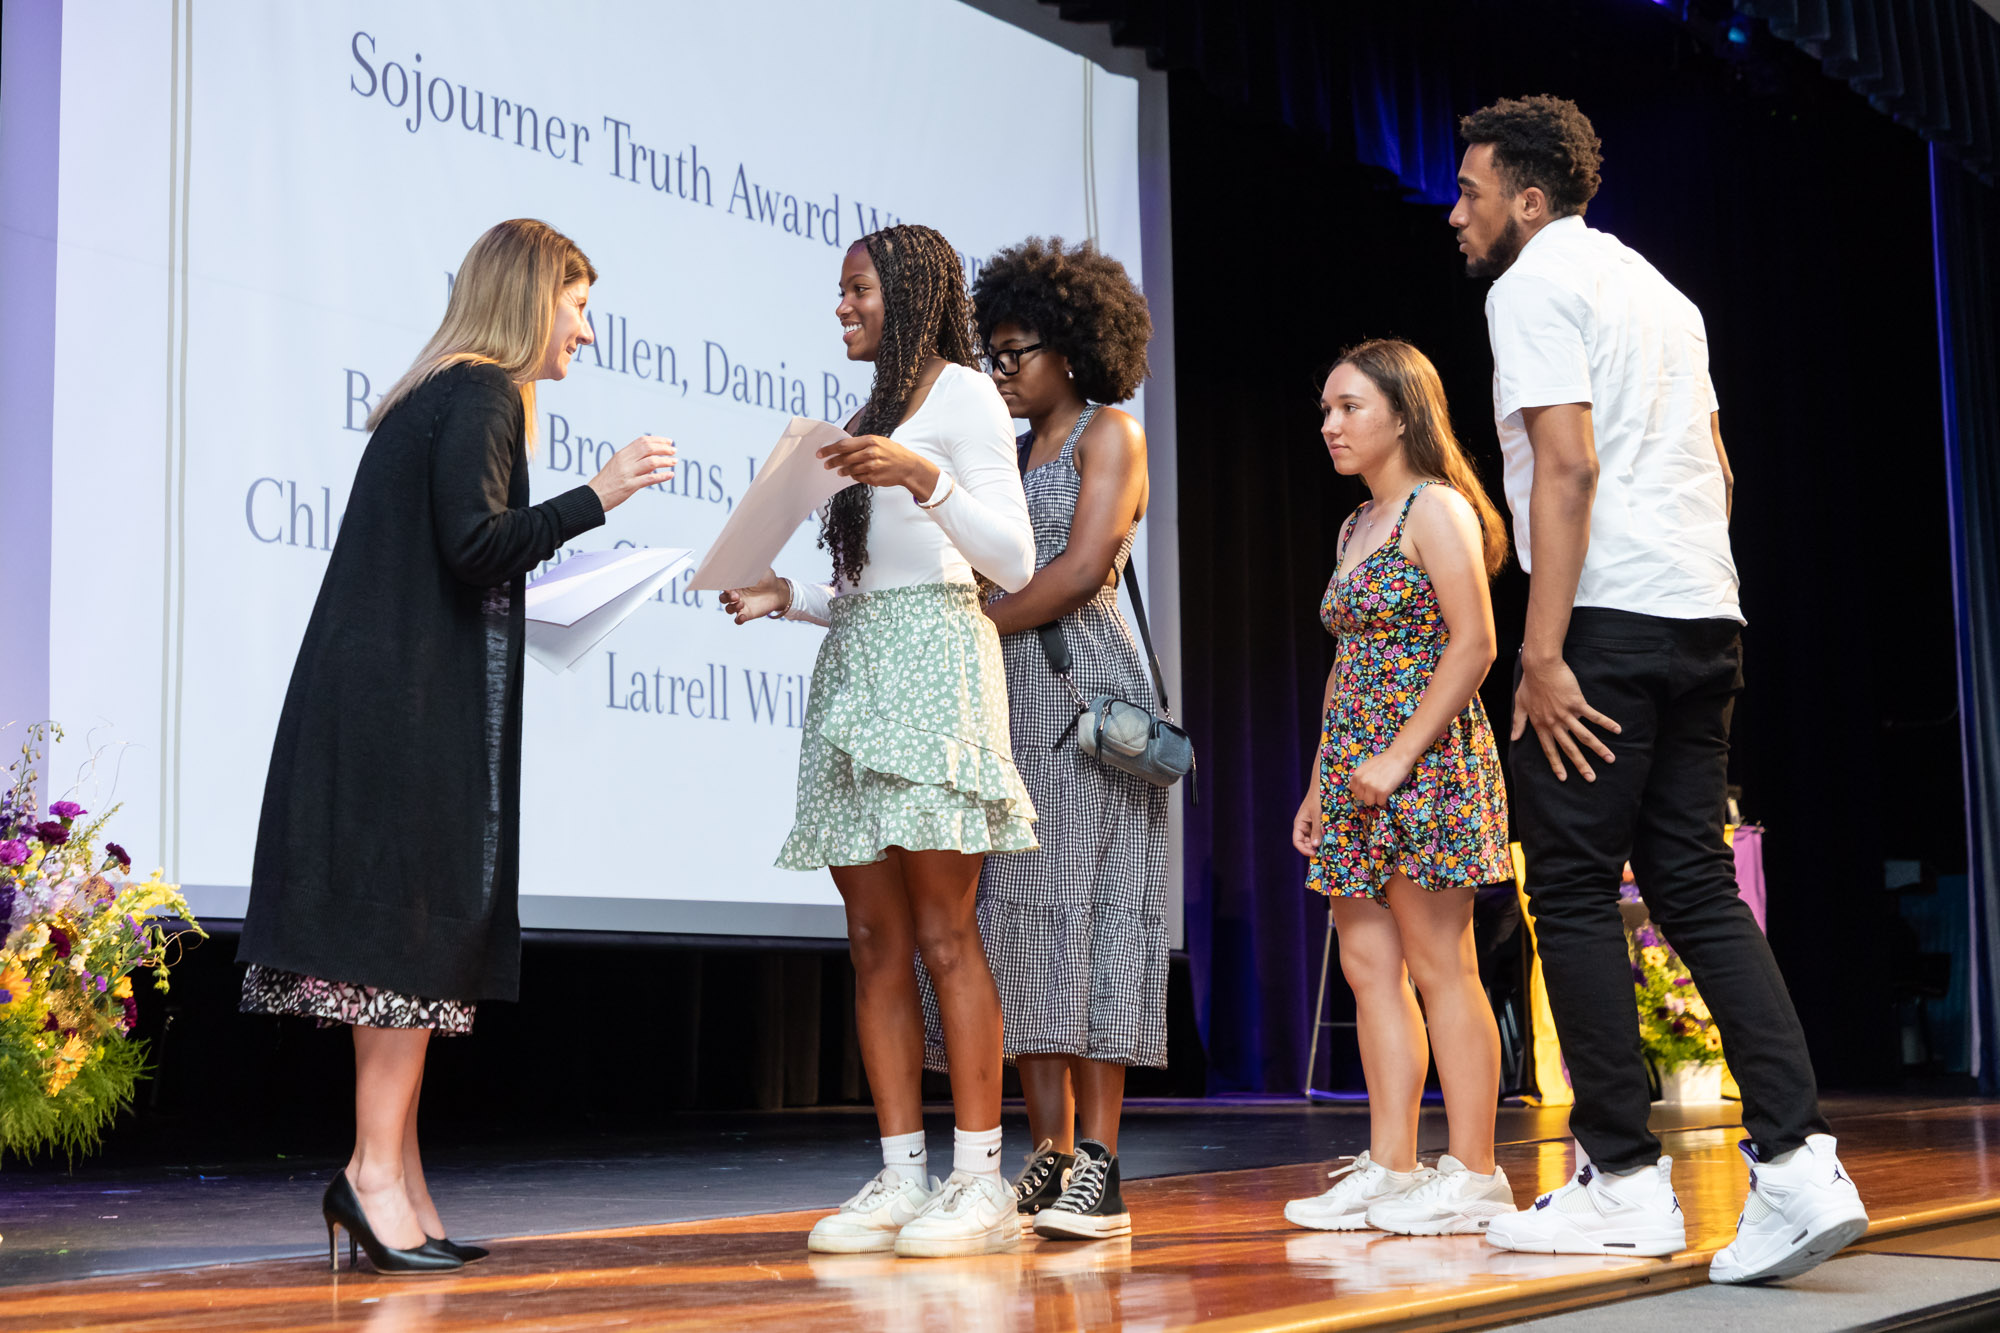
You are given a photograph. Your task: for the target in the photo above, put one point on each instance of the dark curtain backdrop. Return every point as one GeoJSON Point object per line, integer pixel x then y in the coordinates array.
{"type": "Point", "coordinates": [1796, 217]}
{"type": "Point", "coordinates": [1967, 217]}
{"type": "Point", "coordinates": [1932, 64]}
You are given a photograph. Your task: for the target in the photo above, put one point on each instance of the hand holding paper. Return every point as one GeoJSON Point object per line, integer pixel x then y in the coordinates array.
{"type": "Point", "coordinates": [791, 484]}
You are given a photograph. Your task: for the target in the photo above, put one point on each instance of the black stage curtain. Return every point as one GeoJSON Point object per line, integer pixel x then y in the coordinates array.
{"type": "Point", "coordinates": [1288, 246]}
{"type": "Point", "coordinates": [1934, 65]}
{"type": "Point", "coordinates": [1968, 242]}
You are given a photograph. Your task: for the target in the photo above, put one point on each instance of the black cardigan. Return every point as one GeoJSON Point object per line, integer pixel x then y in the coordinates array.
{"type": "Point", "coordinates": [388, 852]}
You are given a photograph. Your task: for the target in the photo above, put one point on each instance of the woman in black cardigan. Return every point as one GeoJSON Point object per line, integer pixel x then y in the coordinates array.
{"type": "Point", "coordinates": [384, 889]}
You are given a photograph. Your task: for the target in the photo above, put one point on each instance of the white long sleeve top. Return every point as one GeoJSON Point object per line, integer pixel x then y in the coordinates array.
{"type": "Point", "coordinates": [982, 521]}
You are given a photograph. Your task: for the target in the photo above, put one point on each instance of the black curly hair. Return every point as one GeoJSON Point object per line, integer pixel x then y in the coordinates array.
{"type": "Point", "coordinates": [1541, 141]}
{"type": "Point", "coordinates": [925, 313]}
{"type": "Point", "coordinates": [1080, 302]}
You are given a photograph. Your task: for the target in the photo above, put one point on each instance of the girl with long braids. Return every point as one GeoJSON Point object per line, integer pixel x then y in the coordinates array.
{"type": "Point", "coordinates": [906, 773]}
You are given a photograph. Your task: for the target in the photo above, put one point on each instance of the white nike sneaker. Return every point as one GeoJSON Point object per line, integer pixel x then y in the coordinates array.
{"type": "Point", "coordinates": [1359, 1185]}
{"type": "Point", "coordinates": [972, 1214]}
{"type": "Point", "coordinates": [871, 1219]}
{"type": "Point", "coordinates": [1636, 1214]}
{"type": "Point", "coordinates": [1451, 1203]}
{"type": "Point", "coordinates": [1800, 1210]}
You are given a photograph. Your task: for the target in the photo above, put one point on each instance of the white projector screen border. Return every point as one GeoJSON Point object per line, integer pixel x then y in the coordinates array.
{"type": "Point", "coordinates": [32, 411]}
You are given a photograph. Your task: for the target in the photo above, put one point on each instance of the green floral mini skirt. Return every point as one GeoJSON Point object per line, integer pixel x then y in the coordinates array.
{"type": "Point", "coordinates": [906, 741]}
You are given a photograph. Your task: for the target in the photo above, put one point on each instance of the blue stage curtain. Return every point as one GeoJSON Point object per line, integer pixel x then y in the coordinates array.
{"type": "Point", "coordinates": [1966, 222]}
{"type": "Point", "coordinates": [1933, 65]}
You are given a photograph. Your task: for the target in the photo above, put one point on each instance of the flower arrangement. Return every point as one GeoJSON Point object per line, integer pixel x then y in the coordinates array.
{"type": "Point", "coordinates": [1675, 1027]}
{"type": "Point", "coordinates": [73, 931]}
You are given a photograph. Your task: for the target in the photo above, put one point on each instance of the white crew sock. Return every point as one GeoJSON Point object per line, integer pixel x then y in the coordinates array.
{"type": "Point", "coordinates": [976, 1151]}
{"type": "Point", "coordinates": [907, 1156]}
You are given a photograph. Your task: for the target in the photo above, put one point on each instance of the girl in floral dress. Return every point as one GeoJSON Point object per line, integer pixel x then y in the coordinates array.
{"type": "Point", "coordinates": [1407, 811]}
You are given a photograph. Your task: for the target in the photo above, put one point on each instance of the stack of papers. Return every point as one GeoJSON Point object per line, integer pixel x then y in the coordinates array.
{"type": "Point", "coordinates": [572, 607]}
{"type": "Point", "coordinates": [792, 483]}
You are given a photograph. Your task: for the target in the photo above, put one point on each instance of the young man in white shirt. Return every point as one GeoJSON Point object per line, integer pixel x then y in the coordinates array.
{"type": "Point", "coordinates": [1629, 670]}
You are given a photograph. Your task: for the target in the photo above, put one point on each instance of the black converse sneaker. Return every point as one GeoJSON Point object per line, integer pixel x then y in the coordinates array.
{"type": "Point", "coordinates": [1092, 1207]}
{"type": "Point", "coordinates": [1041, 1182]}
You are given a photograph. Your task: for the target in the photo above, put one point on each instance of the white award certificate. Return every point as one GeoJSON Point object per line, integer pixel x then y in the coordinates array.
{"type": "Point", "coordinates": [572, 607]}
{"type": "Point", "coordinates": [791, 484]}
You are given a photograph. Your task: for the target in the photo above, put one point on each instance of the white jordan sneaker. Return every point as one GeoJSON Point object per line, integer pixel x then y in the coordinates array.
{"type": "Point", "coordinates": [1598, 1214]}
{"type": "Point", "coordinates": [871, 1219]}
{"type": "Point", "coordinates": [1357, 1187]}
{"type": "Point", "coordinates": [1800, 1210]}
{"type": "Point", "coordinates": [1452, 1202]}
{"type": "Point", "coordinates": [972, 1214]}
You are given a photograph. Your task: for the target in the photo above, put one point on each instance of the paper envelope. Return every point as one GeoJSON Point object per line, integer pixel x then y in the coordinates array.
{"type": "Point", "coordinates": [572, 607]}
{"type": "Point", "coordinates": [790, 485]}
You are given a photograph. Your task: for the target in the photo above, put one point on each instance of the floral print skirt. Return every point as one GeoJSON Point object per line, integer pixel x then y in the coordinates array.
{"type": "Point", "coordinates": [906, 741]}
{"type": "Point", "coordinates": [272, 990]}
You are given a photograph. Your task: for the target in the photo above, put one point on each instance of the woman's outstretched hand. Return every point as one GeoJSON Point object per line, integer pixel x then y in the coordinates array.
{"type": "Point", "coordinates": [647, 461]}
{"type": "Point", "coordinates": [877, 460]}
{"type": "Point", "coordinates": [747, 604]}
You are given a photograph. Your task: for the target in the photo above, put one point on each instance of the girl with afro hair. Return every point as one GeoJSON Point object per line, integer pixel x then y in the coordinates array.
{"type": "Point", "coordinates": [1075, 930]}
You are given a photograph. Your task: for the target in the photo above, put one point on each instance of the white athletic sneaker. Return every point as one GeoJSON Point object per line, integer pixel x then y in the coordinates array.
{"type": "Point", "coordinates": [1451, 1203]}
{"type": "Point", "coordinates": [1360, 1184]}
{"type": "Point", "coordinates": [1801, 1209]}
{"type": "Point", "coordinates": [871, 1219]}
{"type": "Point", "coordinates": [972, 1214]}
{"type": "Point", "coordinates": [1598, 1214]}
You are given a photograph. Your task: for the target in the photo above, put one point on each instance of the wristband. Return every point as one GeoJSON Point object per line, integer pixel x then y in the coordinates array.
{"type": "Point", "coordinates": [946, 485]}
{"type": "Point", "coordinates": [791, 598]}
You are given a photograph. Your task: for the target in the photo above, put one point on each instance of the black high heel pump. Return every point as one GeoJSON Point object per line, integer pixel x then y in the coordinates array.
{"type": "Point", "coordinates": [341, 1207]}
{"type": "Point", "coordinates": [465, 1254]}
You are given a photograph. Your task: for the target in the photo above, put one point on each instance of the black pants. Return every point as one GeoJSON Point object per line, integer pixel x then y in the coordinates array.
{"type": "Point", "coordinates": [1671, 685]}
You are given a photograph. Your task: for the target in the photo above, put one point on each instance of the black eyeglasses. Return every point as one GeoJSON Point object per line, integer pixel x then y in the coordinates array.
{"type": "Point", "coordinates": [1008, 361]}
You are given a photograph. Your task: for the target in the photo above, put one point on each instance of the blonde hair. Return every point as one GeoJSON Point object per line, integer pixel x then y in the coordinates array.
{"type": "Point", "coordinates": [502, 311]}
{"type": "Point", "coordinates": [1411, 383]}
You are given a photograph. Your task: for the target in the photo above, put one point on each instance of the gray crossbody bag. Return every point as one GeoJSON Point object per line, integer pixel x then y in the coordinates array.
{"type": "Point", "coordinates": [1118, 733]}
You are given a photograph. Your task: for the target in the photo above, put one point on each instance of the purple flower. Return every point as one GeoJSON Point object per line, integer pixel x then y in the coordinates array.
{"type": "Point", "coordinates": [118, 854]}
{"type": "Point", "coordinates": [67, 810]}
{"type": "Point", "coordinates": [1638, 975]}
{"type": "Point", "coordinates": [13, 852]}
{"type": "Point", "coordinates": [51, 833]}
{"type": "Point", "coordinates": [60, 939]}
{"type": "Point", "coordinates": [103, 984]}
{"type": "Point", "coordinates": [1684, 981]}
{"type": "Point", "coordinates": [131, 1013]}
{"type": "Point", "coordinates": [1647, 937]}
{"type": "Point", "coordinates": [6, 997]}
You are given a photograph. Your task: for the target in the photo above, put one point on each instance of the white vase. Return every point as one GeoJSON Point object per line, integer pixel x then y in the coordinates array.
{"type": "Point", "coordinates": [1691, 1084]}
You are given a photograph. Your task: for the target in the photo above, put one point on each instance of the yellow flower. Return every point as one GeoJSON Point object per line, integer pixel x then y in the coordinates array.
{"type": "Point", "coordinates": [1654, 955]}
{"type": "Point", "coordinates": [122, 989]}
{"type": "Point", "coordinates": [1698, 1009]}
{"type": "Point", "coordinates": [68, 1063]}
{"type": "Point", "coordinates": [15, 980]}
{"type": "Point", "coordinates": [1712, 1039]}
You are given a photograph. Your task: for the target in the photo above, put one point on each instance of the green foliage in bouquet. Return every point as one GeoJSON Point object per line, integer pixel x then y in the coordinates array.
{"type": "Point", "coordinates": [1675, 1027]}
{"type": "Point", "coordinates": [73, 930]}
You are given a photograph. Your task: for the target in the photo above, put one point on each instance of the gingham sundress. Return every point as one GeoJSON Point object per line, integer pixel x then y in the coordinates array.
{"type": "Point", "coordinates": [1075, 931]}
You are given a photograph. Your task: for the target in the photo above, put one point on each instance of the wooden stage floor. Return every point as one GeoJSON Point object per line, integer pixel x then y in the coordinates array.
{"type": "Point", "coordinates": [1212, 1252]}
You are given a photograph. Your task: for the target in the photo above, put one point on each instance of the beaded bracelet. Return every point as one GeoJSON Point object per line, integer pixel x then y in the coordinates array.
{"type": "Point", "coordinates": [944, 493]}
{"type": "Point", "coordinates": [791, 597]}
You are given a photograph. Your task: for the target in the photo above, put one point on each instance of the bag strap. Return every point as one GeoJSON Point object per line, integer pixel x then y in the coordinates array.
{"type": "Point", "coordinates": [1146, 638]}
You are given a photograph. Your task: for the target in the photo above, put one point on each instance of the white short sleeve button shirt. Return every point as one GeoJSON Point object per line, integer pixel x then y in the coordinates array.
{"type": "Point", "coordinates": [1582, 318]}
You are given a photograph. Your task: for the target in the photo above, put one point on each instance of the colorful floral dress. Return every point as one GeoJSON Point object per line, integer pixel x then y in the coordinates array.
{"type": "Point", "coordinates": [1446, 826]}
